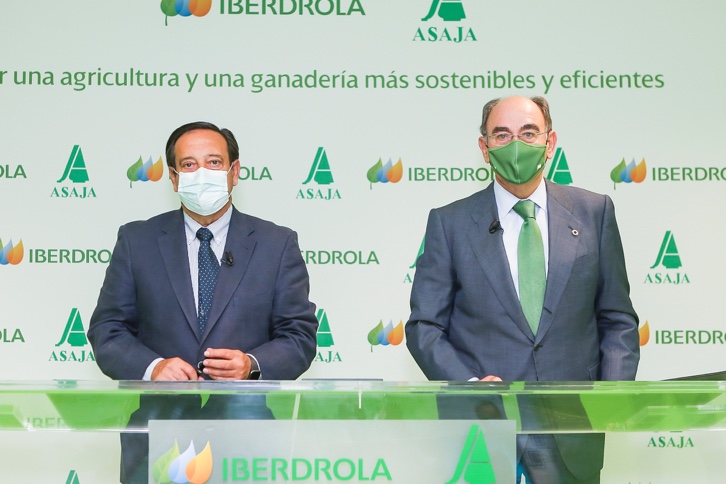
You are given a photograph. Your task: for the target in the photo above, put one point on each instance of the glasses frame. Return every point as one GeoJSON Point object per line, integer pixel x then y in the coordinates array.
{"type": "Point", "coordinates": [512, 136]}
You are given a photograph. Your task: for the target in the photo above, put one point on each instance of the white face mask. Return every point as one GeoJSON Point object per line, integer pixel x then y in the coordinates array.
{"type": "Point", "coordinates": [203, 191]}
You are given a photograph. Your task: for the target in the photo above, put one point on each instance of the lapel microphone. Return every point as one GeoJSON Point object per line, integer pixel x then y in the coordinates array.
{"type": "Point", "coordinates": [494, 226]}
{"type": "Point", "coordinates": [228, 259]}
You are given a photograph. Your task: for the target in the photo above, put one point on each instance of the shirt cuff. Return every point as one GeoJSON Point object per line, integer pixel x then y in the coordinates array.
{"type": "Point", "coordinates": [150, 369]}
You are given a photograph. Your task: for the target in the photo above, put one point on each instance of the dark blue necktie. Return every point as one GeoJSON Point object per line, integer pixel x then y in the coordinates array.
{"type": "Point", "coordinates": [208, 271]}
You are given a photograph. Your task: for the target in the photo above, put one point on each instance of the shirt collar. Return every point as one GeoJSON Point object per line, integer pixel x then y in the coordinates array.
{"type": "Point", "coordinates": [505, 200]}
{"type": "Point", "coordinates": [219, 227]}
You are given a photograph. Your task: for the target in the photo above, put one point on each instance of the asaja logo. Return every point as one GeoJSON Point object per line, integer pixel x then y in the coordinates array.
{"type": "Point", "coordinates": [76, 172]}
{"type": "Point", "coordinates": [148, 171]}
{"type": "Point", "coordinates": [380, 173]}
{"type": "Point", "coordinates": [74, 335]}
{"type": "Point", "coordinates": [10, 254]}
{"type": "Point", "coordinates": [185, 8]}
{"type": "Point", "coordinates": [387, 335]}
{"type": "Point", "coordinates": [325, 340]}
{"type": "Point", "coordinates": [73, 478]}
{"type": "Point", "coordinates": [628, 173]}
{"type": "Point", "coordinates": [408, 279]}
{"type": "Point", "coordinates": [559, 169]}
{"type": "Point", "coordinates": [187, 467]}
{"type": "Point", "coordinates": [669, 258]}
{"type": "Point", "coordinates": [475, 465]}
{"type": "Point", "coordinates": [677, 442]}
{"type": "Point", "coordinates": [321, 174]}
{"type": "Point", "coordinates": [448, 11]}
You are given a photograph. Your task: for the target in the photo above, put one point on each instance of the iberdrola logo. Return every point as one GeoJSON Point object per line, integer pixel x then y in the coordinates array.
{"type": "Point", "coordinates": [388, 335]}
{"type": "Point", "coordinates": [559, 169]}
{"type": "Point", "coordinates": [10, 254]}
{"type": "Point", "coordinates": [644, 334]}
{"type": "Point", "coordinates": [380, 173]}
{"type": "Point", "coordinates": [448, 10]}
{"type": "Point", "coordinates": [475, 465]}
{"type": "Point", "coordinates": [185, 8]}
{"type": "Point", "coordinates": [148, 171]}
{"type": "Point", "coordinates": [184, 468]}
{"type": "Point", "coordinates": [628, 173]}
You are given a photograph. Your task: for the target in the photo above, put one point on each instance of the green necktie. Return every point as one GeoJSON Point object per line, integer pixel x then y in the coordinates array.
{"type": "Point", "coordinates": [531, 262]}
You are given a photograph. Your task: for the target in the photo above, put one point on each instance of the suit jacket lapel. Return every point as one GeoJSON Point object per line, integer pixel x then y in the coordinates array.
{"type": "Point", "coordinates": [489, 251]}
{"type": "Point", "coordinates": [562, 252]}
{"type": "Point", "coordinates": [173, 248]}
{"type": "Point", "coordinates": [240, 244]}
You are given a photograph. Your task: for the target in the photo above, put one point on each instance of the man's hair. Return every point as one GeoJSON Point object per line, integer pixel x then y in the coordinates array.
{"type": "Point", "coordinates": [538, 100]}
{"type": "Point", "coordinates": [232, 146]}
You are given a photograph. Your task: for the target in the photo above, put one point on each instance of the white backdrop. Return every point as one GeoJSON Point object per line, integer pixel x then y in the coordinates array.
{"type": "Point", "coordinates": [653, 95]}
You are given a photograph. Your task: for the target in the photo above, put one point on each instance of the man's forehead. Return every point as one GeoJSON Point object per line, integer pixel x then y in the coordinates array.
{"type": "Point", "coordinates": [203, 138]}
{"type": "Point", "coordinates": [515, 113]}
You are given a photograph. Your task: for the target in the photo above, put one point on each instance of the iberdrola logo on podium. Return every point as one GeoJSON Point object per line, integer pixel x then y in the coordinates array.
{"type": "Point", "coordinates": [187, 467]}
{"type": "Point", "coordinates": [475, 465]}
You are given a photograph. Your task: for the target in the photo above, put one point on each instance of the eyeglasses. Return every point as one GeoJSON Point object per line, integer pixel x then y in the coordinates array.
{"type": "Point", "coordinates": [528, 137]}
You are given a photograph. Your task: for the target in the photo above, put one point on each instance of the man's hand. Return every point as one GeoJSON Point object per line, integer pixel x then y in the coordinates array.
{"type": "Point", "coordinates": [491, 378]}
{"type": "Point", "coordinates": [174, 369]}
{"type": "Point", "coordinates": [223, 364]}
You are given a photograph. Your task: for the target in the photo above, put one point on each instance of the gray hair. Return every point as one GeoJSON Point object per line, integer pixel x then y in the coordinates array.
{"type": "Point", "coordinates": [538, 100]}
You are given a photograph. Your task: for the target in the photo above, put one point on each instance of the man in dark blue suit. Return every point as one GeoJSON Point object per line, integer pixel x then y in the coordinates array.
{"type": "Point", "coordinates": [204, 292]}
{"type": "Point", "coordinates": [469, 320]}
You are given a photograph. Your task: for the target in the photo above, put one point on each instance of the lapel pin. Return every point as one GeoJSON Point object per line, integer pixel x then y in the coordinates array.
{"type": "Point", "coordinates": [575, 232]}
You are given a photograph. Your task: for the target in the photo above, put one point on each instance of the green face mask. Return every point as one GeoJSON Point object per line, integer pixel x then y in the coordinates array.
{"type": "Point", "coordinates": [518, 162]}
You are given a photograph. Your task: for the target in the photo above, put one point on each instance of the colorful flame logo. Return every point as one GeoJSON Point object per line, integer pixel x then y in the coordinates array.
{"type": "Point", "coordinates": [629, 173]}
{"type": "Point", "coordinates": [185, 8]}
{"type": "Point", "coordinates": [380, 173]}
{"type": "Point", "coordinates": [644, 333]}
{"type": "Point", "coordinates": [386, 335]}
{"type": "Point", "coordinates": [9, 254]}
{"type": "Point", "coordinates": [184, 468]}
{"type": "Point", "coordinates": [148, 171]}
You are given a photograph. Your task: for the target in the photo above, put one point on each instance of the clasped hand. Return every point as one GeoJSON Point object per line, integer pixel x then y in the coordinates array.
{"type": "Point", "coordinates": [219, 364]}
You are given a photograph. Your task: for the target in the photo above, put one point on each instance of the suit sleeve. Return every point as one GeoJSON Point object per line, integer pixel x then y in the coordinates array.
{"type": "Point", "coordinates": [115, 322]}
{"type": "Point", "coordinates": [432, 300]}
{"type": "Point", "coordinates": [617, 321]}
{"type": "Point", "coordinates": [293, 343]}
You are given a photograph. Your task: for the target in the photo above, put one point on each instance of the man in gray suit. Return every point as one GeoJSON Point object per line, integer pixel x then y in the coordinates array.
{"type": "Point", "coordinates": [467, 322]}
{"type": "Point", "coordinates": [203, 292]}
